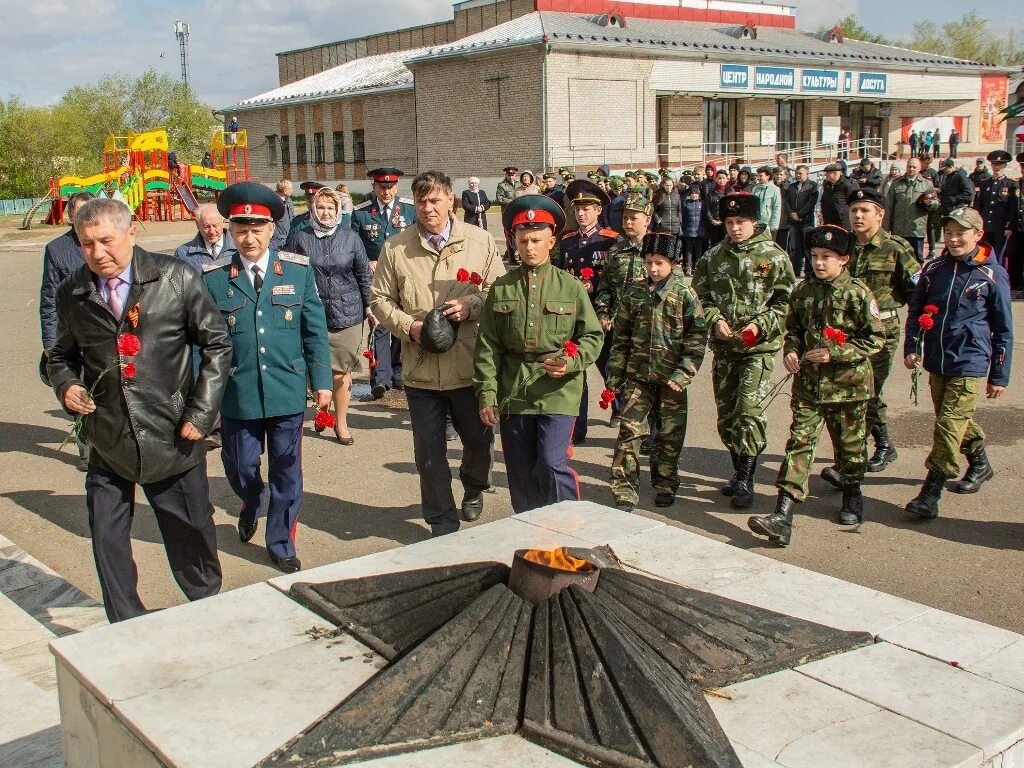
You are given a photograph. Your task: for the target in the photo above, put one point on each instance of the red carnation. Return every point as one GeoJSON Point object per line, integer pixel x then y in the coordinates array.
{"type": "Point", "coordinates": [836, 335]}
{"type": "Point", "coordinates": [462, 276]}
{"type": "Point", "coordinates": [931, 309]}
{"type": "Point", "coordinates": [325, 419]}
{"type": "Point", "coordinates": [570, 349]}
{"type": "Point", "coordinates": [128, 344]}
{"type": "Point", "coordinates": [475, 278]}
{"type": "Point", "coordinates": [607, 397]}
{"type": "Point", "coordinates": [749, 337]}
{"type": "Point", "coordinates": [586, 273]}
{"type": "Point", "coordinates": [368, 354]}
{"type": "Point", "coordinates": [129, 371]}
{"type": "Point", "coordinates": [927, 322]}
{"type": "Point", "coordinates": [373, 363]}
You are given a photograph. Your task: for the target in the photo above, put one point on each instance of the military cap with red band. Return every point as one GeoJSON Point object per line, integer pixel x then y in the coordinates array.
{"type": "Point", "coordinates": [250, 203]}
{"type": "Point", "coordinates": [533, 212]}
{"type": "Point", "coordinates": [385, 175]}
{"type": "Point", "coordinates": [311, 187]}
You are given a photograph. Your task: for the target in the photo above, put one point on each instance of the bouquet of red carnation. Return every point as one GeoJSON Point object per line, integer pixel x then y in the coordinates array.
{"type": "Point", "coordinates": [925, 322]}
{"type": "Point", "coordinates": [749, 337]}
{"type": "Point", "coordinates": [128, 345]}
{"type": "Point", "coordinates": [569, 350]}
{"type": "Point", "coordinates": [324, 420]}
{"type": "Point", "coordinates": [835, 335]}
{"type": "Point", "coordinates": [607, 398]}
{"type": "Point", "coordinates": [368, 354]}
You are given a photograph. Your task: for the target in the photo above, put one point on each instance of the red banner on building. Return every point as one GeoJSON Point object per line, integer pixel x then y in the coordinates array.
{"type": "Point", "coordinates": [993, 99]}
{"type": "Point", "coordinates": [924, 124]}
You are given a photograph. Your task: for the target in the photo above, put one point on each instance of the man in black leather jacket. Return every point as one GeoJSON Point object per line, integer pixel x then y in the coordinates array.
{"type": "Point", "coordinates": [127, 321]}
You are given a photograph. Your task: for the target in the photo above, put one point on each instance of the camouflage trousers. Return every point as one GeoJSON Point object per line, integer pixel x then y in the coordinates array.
{"type": "Point", "coordinates": [881, 365]}
{"type": "Point", "coordinates": [955, 399]}
{"type": "Point", "coordinates": [741, 383]}
{"type": "Point", "coordinates": [846, 425]}
{"type": "Point", "coordinates": [639, 400]}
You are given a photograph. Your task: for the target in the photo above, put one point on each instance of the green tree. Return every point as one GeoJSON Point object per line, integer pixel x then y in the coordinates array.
{"type": "Point", "coordinates": [852, 28]}
{"type": "Point", "coordinates": [35, 144]}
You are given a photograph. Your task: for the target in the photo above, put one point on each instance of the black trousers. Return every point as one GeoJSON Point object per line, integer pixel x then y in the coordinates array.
{"type": "Point", "coordinates": [428, 412]}
{"type": "Point", "coordinates": [795, 247]}
{"type": "Point", "coordinates": [579, 431]}
{"type": "Point", "coordinates": [182, 507]}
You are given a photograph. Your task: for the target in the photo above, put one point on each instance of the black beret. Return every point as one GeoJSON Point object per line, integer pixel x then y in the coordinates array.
{"type": "Point", "coordinates": [830, 236]}
{"type": "Point", "coordinates": [662, 243]}
{"type": "Point", "coordinates": [866, 195]}
{"type": "Point", "coordinates": [999, 156]}
{"type": "Point", "coordinates": [740, 204]}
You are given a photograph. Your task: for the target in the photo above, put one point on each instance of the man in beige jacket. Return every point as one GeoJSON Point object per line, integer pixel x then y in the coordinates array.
{"type": "Point", "coordinates": [441, 262]}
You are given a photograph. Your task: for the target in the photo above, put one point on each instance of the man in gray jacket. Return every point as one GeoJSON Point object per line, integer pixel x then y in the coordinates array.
{"type": "Point", "coordinates": [122, 360]}
{"type": "Point", "coordinates": [906, 207]}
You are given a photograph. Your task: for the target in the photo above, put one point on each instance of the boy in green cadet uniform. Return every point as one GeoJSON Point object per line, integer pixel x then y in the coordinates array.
{"type": "Point", "coordinates": [538, 335]}
{"type": "Point", "coordinates": [832, 330]}
{"type": "Point", "coordinates": [743, 283]}
{"type": "Point", "coordinates": [659, 337]}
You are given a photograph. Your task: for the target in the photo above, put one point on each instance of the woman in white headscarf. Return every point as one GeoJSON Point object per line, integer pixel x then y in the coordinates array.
{"type": "Point", "coordinates": [475, 204]}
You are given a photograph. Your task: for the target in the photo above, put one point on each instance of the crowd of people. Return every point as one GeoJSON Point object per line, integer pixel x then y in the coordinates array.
{"type": "Point", "coordinates": [225, 343]}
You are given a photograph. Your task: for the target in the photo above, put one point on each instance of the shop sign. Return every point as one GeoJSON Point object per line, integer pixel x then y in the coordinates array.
{"type": "Point", "coordinates": [735, 76]}
{"type": "Point", "coordinates": [775, 78]}
{"type": "Point", "coordinates": [872, 82]}
{"type": "Point", "coordinates": [819, 80]}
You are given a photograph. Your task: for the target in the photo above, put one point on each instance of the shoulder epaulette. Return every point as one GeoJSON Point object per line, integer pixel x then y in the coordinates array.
{"type": "Point", "coordinates": [612, 233]}
{"type": "Point", "coordinates": [364, 204]}
{"type": "Point", "coordinates": [293, 258]}
{"type": "Point", "coordinates": [223, 261]}
{"type": "Point", "coordinates": [573, 233]}
{"type": "Point", "coordinates": [407, 200]}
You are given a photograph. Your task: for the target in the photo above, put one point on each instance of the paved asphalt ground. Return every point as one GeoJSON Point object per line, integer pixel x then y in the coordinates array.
{"type": "Point", "coordinates": [364, 498]}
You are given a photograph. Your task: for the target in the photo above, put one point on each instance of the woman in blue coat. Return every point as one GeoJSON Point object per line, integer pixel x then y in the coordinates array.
{"type": "Point", "coordinates": [342, 273]}
{"type": "Point", "coordinates": [475, 204]}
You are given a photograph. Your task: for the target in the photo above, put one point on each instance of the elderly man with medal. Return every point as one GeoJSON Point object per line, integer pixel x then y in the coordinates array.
{"type": "Point", "coordinates": [538, 335]}
{"type": "Point", "coordinates": [278, 329]}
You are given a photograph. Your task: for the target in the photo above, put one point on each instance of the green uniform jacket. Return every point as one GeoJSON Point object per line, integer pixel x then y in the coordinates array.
{"type": "Point", "coordinates": [743, 283]}
{"type": "Point", "coordinates": [368, 220]}
{"type": "Point", "coordinates": [278, 335]}
{"type": "Point", "coordinates": [623, 266]}
{"type": "Point", "coordinates": [529, 314]}
{"type": "Point", "coordinates": [845, 304]}
{"type": "Point", "coordinates": [504, 193]}
{"type": "Point", "coordinates": [659, 334]}
{"type": "Point", "coordinates": [887, 266]}
{"type": "Point", "coordinates": [904, 216]}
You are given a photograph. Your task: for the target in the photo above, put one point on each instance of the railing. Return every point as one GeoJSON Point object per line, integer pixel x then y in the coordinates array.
{"type": "Point", "coordinates": [20, 205]}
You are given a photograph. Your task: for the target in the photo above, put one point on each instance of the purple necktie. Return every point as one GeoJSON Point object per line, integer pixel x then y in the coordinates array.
{"type": "Point", "coordinates": [436, 242]}
{"type": "Point", "coordinates": [114, 298]}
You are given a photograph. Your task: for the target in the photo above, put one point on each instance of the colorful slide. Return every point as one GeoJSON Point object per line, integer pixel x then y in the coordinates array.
{"type": "Point", "coordinates": [187, 198]}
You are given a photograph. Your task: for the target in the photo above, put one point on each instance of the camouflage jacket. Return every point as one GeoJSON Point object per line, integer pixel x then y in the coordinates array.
{"type": "Point", "coordinates": [847, 305]}
{"type": "Point", "coordinates": [743, 283]}
{"type": "Point", "coordinates": [623, 267]}
{"type": "Point", "coordinates": [887, 266]}
{"type": "Point", "coordinates": [659, 334]}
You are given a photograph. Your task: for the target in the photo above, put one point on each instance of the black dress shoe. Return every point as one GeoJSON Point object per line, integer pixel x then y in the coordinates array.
{"type": "Point", "coordinates": [378, 390]}
{"type": "Point", "coordinates": [625, 506]}
{"type": "Point", "coordinates": [450, 435]}
{"type": "Point", "coordinates": [287, 564]}
{"type": "Point", "coordinates": [472, 507]}
{"type": "Point", "coordinates": [247, 530]}
{"type": "Point", "coordinates": [664, 499]}
{"type": "Point", "coordinates": [398, 384]}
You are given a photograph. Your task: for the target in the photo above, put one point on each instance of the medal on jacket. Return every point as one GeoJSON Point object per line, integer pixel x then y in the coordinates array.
{"type": "Point", "coordinates": [288, 315]}
{"type": "Point", "coordinates": [277, 269]}
{"type": "Point", "coordinates": [764, 269]}
{"type": "Point", "coordinates": [374, 230]}
{"type": "Point", "coordinates": [231, 321]}
{"type": "Point", "coordinates": [234, 271]}
{"type": "Point", "coordinates": [397, 217]}
{"type": "Point", "coordinates": [230, 293]}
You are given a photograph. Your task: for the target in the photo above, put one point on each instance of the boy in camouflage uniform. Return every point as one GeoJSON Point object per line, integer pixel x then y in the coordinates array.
{"type": "Point", "coordinates": [743, 283]}
{"type": "Point", "coordinates": [658, 342]}
{"type": "Point", "coordinates": [832, 331]}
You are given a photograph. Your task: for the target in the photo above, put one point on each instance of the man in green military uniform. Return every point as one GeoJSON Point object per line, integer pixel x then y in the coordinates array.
{"type": "Point", "coordinates": [743, 284]}
{"type": "Point", "coordinates": [375, 220]}
{"type": "Point", "coordinates": [658, 345]}
{"type": "Point", "coordinates": [504, 195]}
{"type": "Point", "coordinates": [832, 330]}
{"type": "Point", "coordinates": [886, 264]}
{"type": "Point", "coordinates": [538, 335]}
{"type": "Point", "coordinates": [278, 330]}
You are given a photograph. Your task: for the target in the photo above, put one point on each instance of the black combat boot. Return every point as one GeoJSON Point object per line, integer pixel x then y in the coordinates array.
{"type": "Point", "coordinates": [743, 495]}
{"type": "Point", "coordinates": [778, 526]}
{"type": "Point", "coordinates": [852, 511]}
{"type": "Point", "coordinates": [885, 451]}
{"type": "Point", "coordinates": [926, 503]}
{"type": "Point", "coordinates": [730, 488]}
{"type": "Point", "coordinates": [978, 471]}
{"type": "Point", "coordinates": [831, 476]}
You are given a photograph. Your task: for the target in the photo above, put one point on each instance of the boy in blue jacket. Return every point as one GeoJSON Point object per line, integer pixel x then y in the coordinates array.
{"type": "Point", "coordinates": [961, 307]}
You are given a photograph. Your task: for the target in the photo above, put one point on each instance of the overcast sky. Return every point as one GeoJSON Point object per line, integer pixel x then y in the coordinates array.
{"type": "Point", "coordinates": [50, 46]}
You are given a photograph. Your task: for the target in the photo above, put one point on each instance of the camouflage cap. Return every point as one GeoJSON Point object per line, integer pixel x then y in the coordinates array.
{"type": "Point", "coordinates": [967, 218]}
{"type": "Point", "coordinates": [639, 203]}
{"type": "Point", "coordinates": [616, 182]}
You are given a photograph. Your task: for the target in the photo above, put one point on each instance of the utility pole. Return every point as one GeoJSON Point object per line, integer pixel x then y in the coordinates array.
{"type": "Point", "coordinates": [181, 31]}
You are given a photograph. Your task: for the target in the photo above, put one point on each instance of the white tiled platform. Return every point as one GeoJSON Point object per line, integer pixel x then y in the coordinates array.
{"type": "Point", "coordinates": [227, 680]}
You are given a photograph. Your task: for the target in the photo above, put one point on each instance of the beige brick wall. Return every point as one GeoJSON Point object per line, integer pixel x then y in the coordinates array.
{"type": "Point", "coordinates": [458, 124]}
{"type": "Point", "coordinates": [600, 109]}
{"type": "Point", "coordinates": [681, 130]}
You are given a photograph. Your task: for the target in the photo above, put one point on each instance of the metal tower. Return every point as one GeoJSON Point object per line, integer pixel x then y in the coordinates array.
{"type": "Point", "coordinates": [181, 31]}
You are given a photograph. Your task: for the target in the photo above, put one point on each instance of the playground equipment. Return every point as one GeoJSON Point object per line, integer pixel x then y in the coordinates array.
{"type": "Point", "coordinates": [136, 168]}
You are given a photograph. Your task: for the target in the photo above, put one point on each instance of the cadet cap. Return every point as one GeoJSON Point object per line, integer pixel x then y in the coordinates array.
{"type": "Point", "coordinates": [637, 202]}
{"type": "Point", "coordinates": [250, 203]}
{"type": "Point", "coordinates": [866, 195]}
{"type": "Point", "coordinates": [999, 156]}
{"type": "Point", "coordinates": [740, 204]}
{"type": "Point", "coordinates": [311, 187]}
{"type": "Point", "coordinates": [584, 192]}
{"type": "Point", "coordinates": [510, 169]}
{"type": "Point", "coordinates": [533, 212]}
{"type": "Point", "coordinates": [831, 237]}
{"type": "Point", "coordinates": [967, 218]}
{"type": "Point", "coordinates": [385, 175]}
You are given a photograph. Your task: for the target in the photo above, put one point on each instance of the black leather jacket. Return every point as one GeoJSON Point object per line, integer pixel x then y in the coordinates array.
{"type": "Point", "coordinates": [135, 428]}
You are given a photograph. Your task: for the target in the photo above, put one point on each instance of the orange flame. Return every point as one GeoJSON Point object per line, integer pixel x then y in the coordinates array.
{"type": "Point", "coordinates": [558, 558]}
